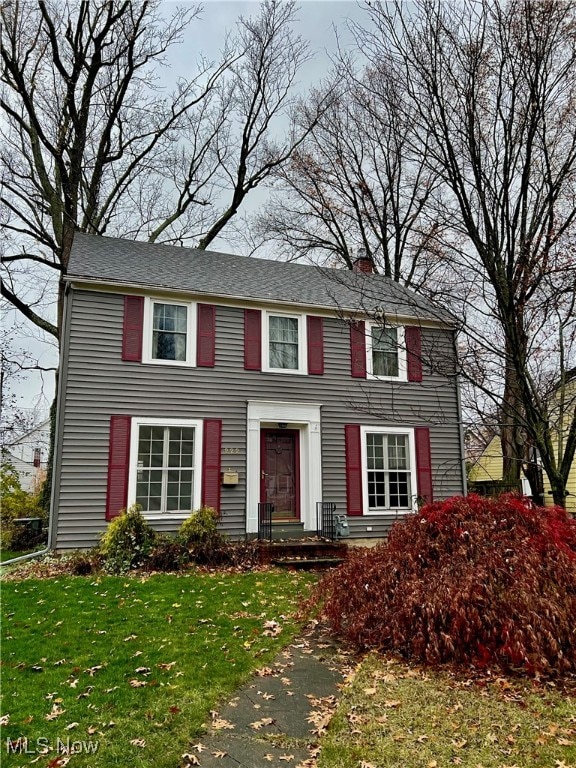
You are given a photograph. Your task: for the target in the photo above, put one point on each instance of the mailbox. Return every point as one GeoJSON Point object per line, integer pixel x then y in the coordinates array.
{"type": "Point", "coordinates": [229, 478]}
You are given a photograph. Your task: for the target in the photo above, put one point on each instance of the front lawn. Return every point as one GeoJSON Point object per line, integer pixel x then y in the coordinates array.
{"type": "Point", "coordinates": [126, 670]}
{"type": "Point", "coordinates": [394, 714]}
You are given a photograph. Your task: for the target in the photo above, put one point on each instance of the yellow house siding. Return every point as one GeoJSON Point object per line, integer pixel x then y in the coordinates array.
{"type": "Point", "coordinates": [569, 405]}
{"type": "Point", "coordinates": [489, 465]}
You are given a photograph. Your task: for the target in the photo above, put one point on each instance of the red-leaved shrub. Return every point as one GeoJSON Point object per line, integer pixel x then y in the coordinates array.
{"type": "Point", "coordinates": [489, 582]}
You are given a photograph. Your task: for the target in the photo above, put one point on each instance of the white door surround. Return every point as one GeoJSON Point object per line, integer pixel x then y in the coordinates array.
{"type": "Point", "coordinates": [304, 417]}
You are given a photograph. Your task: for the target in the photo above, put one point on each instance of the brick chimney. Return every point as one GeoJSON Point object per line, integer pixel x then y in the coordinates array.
{"type": "Point", "coordinates": [363, 262]}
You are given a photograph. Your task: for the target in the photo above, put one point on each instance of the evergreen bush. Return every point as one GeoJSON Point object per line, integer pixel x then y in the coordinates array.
{"type": "Point", "coordinates": [200, 535]}
{"type": "Point", "coordinates": [127, 541]}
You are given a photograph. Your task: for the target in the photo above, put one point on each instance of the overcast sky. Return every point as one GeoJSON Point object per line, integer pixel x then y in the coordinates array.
{"type": "Point", "coordinates": [317, 20]}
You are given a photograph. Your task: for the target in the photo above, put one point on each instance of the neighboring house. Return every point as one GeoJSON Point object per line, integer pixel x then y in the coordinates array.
{"type": "Point", "coordinates": [190, 377]}
{"type": "Point", "coordinates": [486, 470]}
{"type": "Point", "coordinates": [485, 474]}
{"type": "Point", "coordinates": [29, 456]}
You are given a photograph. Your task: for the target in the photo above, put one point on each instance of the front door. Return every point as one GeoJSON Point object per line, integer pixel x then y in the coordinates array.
{"type": "Point", "coordinates": [280, 482]}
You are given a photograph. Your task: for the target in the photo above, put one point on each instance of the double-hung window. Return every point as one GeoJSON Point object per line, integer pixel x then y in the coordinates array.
{"type": "Point", "coordinates": [284, 343]}
{"type": "Point", "coordinates": [386, 352]}
{"type": "Point", "coordinates": [388, 469]}
{"type": "Point", "coordinates": [169, 335]}
{"type": "Point", "coordinates": [165, 466]}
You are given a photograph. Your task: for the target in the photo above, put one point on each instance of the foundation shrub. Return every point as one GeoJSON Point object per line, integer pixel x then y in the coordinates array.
{"type": "Point", "coordinates": [487, 582]}
{"type": "Point", "coordinates": [200, 536]}
{"type": "Point", "coordinates": [127, 542]}
{"type": "Point", "coordinates": [167, 554]}
{"type": "Point", "coordinates": [82, 563]}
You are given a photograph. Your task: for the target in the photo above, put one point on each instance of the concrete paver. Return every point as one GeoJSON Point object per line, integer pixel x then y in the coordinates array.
{"type": "Point", "coordinates": [274, 717]}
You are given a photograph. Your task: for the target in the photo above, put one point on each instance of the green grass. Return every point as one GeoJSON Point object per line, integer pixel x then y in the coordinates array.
{"type": "Point", "coordinates": [112, 660]}
{"type": "Point", "coordinates": [393, 715]}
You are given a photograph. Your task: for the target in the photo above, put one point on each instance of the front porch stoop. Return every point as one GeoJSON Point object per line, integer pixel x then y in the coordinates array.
{"type": "Point", "coordinates": [303, 554]}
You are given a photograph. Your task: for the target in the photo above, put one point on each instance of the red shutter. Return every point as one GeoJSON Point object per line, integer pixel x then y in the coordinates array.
{"type": "Point", "coordinates": [132, 330]}
{"type": "Point", "coordinates": [211, 463]}
{"type": "Point", "coordinates": [118, 466]}
{"type": "Point", "coordinates": [413, 340]}
{"type": "Point", "coordinates": [358, 349]}
{"type": "Point", "coordinates": [315, 333]}
{"type": "Point", "coordinates": [353, 470]}
{"type": "Point", "coordinates": [423, 463]}
{"type": "Point", "coordinates": [252, 340]}
{"type": "Point", "coordinates": [206, 337]}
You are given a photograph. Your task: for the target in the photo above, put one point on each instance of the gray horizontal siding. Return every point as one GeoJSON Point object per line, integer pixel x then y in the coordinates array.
{"type": "Point", "coordinates": [99, 384]}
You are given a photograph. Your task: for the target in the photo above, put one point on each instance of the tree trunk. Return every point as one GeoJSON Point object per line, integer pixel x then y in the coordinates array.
{"type": "Point", "coordinates": [511, 433]}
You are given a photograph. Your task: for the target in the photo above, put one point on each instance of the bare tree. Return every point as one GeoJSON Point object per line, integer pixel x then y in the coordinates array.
{"type": "Point", "coordinates": [91, 141]}
{"type": "Point", "coordinates": [361, 181]}
{"type": "Point", "coordinates": [495, 84]}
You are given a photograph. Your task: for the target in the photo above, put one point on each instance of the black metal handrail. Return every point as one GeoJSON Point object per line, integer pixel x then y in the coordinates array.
{"type": "Point", "coordinates": [325, 520]}
{"type": "Point", "coordinates": [265, 510]}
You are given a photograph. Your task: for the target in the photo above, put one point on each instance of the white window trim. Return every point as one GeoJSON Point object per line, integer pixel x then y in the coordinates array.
{"type": "Point", "coordinates": [135, 424]}
{"type": "Point", "coordinates": [402, 356]}
{"type": "Point", "coordinates": [393, 511]}
{"type": "Point", "coordinates": [191, 326]}
{"type": "Point", "coordinates": [302, 343]}
{"type": "Point", "coordinates": [304, 417]}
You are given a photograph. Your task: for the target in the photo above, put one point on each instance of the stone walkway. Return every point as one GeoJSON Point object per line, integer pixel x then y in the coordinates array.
{"type": "Point", "coordinates": [277, 716]}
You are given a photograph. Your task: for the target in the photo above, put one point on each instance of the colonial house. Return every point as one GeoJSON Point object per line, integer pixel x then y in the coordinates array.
{"type": "Point", "coordinates": [28, 454]}
{"type": "Point", "coordinates": [194, 378]}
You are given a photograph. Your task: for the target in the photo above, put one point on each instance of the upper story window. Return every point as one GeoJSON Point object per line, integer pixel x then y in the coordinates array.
{"type": "Point", "coordinates": [169, 332]}
{"type": "Point", "coordinates": [385, 352]}
{"type": "Point", "coordinates": [284, 343]}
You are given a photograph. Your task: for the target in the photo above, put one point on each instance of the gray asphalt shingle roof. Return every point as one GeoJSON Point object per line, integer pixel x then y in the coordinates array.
{"type": "Point", "coordinates": [129, 262]}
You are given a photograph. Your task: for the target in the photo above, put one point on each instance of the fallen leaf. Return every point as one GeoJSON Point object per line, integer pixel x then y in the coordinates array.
{"type": "Point", "coordinates": [54, 713]}
{"type": "Point", "coordinates": [138, 683]}
{"type": "Point", "coordinates": [190, 759]}
{"type": "Point", "coordinates": [138, 742]}
{"type": "Point", "coordinates": [370, 691]}
{"type": "Point", "coordinates": [286, 758]}
{"type": "Point", "coordinates": [219, 724]}
{"type": "Point", "coordinates": [391, 704]}
{"type": "Point", "coordinates": [219, 754]}
{"type": "Point", "coordinates": [70, 726]}
{"type": "Point", "coordinates": [92, 670]}
{"type": "Point", "coordinates": [256, 725]}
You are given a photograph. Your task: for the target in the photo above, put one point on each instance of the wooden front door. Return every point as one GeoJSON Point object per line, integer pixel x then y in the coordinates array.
{"type": "Point", "coordinates": [280, 481]}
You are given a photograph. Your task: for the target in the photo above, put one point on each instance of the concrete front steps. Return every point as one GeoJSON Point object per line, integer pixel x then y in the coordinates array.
{"type": "Point", "coordinates": [303, 553]}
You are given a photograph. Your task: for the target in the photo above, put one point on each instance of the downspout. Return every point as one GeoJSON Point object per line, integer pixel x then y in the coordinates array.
{"type": "Point", "coordinates": [460, 424]}
{"type": "Point", "coordinates": [57, 442]}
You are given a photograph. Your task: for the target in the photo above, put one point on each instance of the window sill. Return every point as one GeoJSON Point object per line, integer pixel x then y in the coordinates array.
{"type": "Point", "coordinates": [169, 363]}
{"type": "Point", "coordinates": [287, 371]}
{"type": "Point", "coordinates": [388, 512]}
